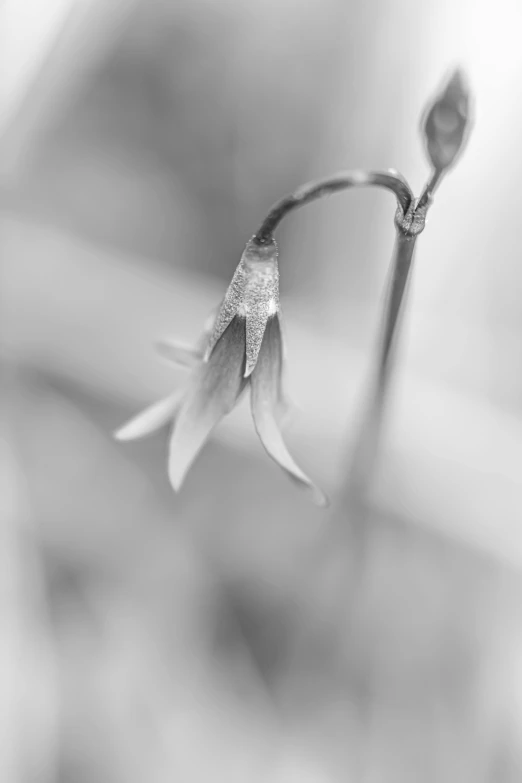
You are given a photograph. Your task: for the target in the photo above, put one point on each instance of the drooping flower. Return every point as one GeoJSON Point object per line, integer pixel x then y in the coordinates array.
{"type": "Point", "coordinates": [241, 348]}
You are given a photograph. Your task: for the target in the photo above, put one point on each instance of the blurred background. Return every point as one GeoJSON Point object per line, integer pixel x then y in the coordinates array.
{"type": "Point", "coordinates": [234, 632]}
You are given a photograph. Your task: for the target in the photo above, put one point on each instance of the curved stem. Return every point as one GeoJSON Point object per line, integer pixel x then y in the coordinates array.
{"type": "Point", "coordinates": [390, 180]}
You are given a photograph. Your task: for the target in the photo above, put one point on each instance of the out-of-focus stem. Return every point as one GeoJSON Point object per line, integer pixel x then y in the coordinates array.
{"type": "Point", "coordinates": [367, 445]}
{"type": "Point", "coordinates": [408, 227]}
{"type": "Point", "coordinates": [391, 180]}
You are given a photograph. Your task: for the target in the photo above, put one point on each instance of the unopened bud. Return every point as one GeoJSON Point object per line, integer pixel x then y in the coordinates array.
{"type": "Point", "coordinates": [446, 123]}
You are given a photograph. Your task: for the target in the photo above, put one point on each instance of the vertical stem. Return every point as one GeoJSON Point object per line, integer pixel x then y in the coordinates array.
{"type": "Point", "coordinates": [369, 438]}
{"type": "Point", "coordinates": [400, 272]}
{"type": "Point", "coordinates": [367, 445]}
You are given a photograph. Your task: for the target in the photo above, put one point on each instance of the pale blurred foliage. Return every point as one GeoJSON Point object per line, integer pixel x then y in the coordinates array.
{"type": "Point", "coordinates": [226, 634]}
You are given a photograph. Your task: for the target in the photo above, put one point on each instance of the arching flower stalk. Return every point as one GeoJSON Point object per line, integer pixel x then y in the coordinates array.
{"type": "Point", "coordinates": [242, 347]}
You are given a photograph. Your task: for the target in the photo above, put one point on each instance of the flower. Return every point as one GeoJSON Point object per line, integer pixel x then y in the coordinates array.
{"type": "Point", "coordinates": [446, 123]}
{"type": "Point", "coordinates": [242, 347]}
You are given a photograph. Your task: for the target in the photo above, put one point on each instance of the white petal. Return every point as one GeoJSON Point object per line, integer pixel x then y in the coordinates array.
{"type": "Point", "coordinates": [178, 354]}
{"type": "Point", "coordinates": [210, 321]}
{"type": "Point", "coordinates": [151, 419]}
{"type": "Point", "coordinates": [228, 309]}
{"type": "Point", "coordinates": [261, 297]}
{"type": "Point", "coordinates": [272, 439]}
{"type": "Point", "coordinates": [188, 356]}
{"type": "Point", "coordinates": [256, 322]}
{"type": "Point", "coordinates": [253, 293]}
{"type": "Point", "coordinates": [266, 397]}
{"type": "Point", "coordinates": [215, 389]}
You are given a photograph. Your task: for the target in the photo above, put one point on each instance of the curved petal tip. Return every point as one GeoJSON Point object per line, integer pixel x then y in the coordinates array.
{"type": "Point", "coordinates": [176, 475]}
{"type": "Point", "coordinates": [214, 391]}
{"type": "Point", "coordinates": [178, 354]}
{"type": "Point", "coordinates": [148, 421]}
{"type": "Point", "coordinates": [319, 497]}
{"type": "Point", "coordinates": [272, 439]}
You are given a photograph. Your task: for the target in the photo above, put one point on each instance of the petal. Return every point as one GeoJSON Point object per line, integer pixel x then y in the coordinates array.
{"type": "Point", "coordinates": [266, 397]}
{"type": "Point", "coordinates": [284, 405]}
{"type": "Point", "coordinates": [210, 321]}
{"type": "Point", "coordinates": [151, 419]}
{"type": "Point", "coordinates": [256, 322]}
{"type": "Point", "coordinates": [185, 356]}
{"type": "Point", "coordinates": [253, 293]}
{"type": "Point", "coordinates": [178, 354]}
{"type": "Point", "coordinates": [214, 391]}
{"type": "Point", "coordinates": [228, 309]}
{"type": "Point", "coordinates": [208, 328]}
{"type": "Point", "coordinates": [261, 297]}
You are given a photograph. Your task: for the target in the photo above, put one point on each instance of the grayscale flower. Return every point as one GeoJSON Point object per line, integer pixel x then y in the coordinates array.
{"type": "Point", "coordinates": [241, 348]}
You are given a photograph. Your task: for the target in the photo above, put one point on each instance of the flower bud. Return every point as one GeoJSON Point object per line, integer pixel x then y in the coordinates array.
{"type": "Point", "coordinates": [446, 123]}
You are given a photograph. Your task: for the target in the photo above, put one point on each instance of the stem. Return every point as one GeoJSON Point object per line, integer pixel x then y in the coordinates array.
{"type": "Point", "coordinates": [400, 270]}
{"type": "Point", "coordinates": [409, 222]}
{"type": "Point", "coordinates": [408, 228]}
{"type": "Point", "coordinates": [390, 180]}
{"type": "Point", "coordinates": [364, 456]}
{"type": "Point", "coordinates": [430, 187]}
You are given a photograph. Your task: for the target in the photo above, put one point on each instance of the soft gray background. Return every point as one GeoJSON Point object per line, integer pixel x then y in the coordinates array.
{"type": "Point", "coordinates": [234, 632]}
